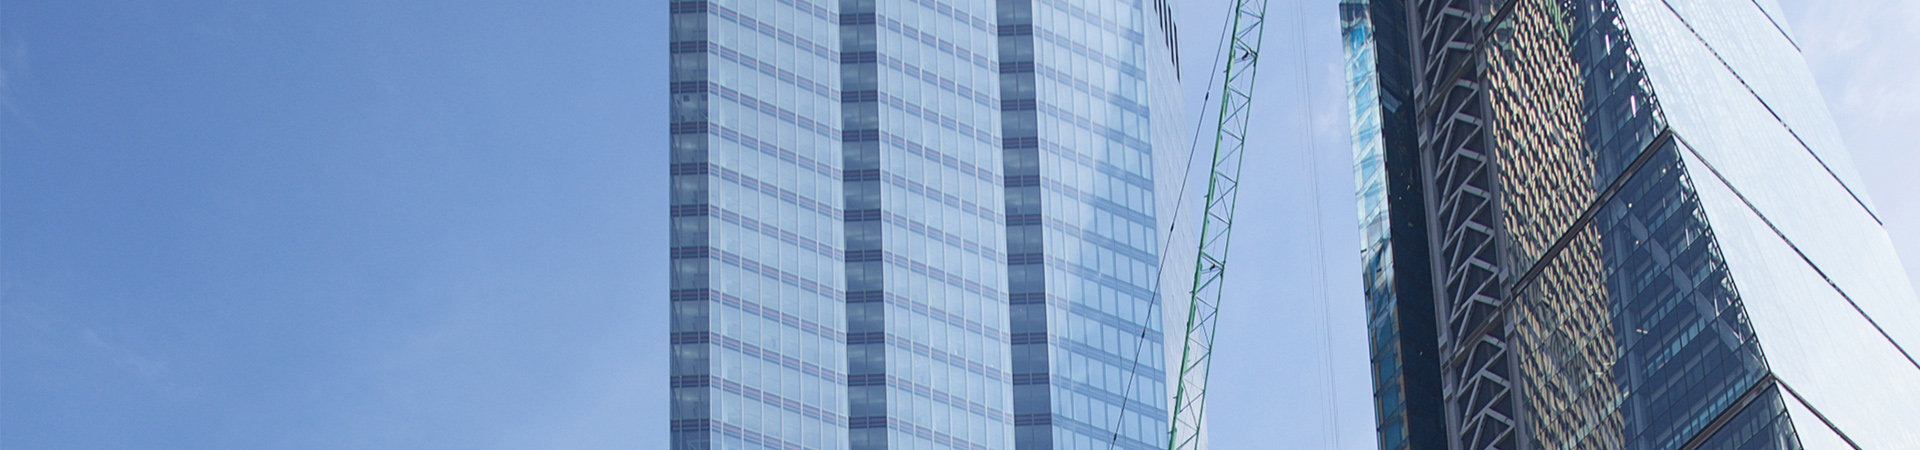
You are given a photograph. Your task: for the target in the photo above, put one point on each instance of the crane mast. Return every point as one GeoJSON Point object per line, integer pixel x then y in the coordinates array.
{"type": "Point", "coordinates": [1216, 229]}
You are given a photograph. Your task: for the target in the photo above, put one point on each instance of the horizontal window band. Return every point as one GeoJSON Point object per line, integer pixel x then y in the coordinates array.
{"type": "Point", "coordinates": [687, 7]}
{"type": "Point", "coordinates": [857, 18]}
{"type": "Point", "coordinates": [858, 256]}
{"type": "Point", "coordinates": [688, 87]}
{"type": "Point", "coordinates": [859, 57]}
{"type": "Point", "coordinates": [867, 379]}
{"type": "Point", "coordinates": [869, 337]}
{"type": "Point", "coordinates": [1032, 378]}
{"type": "Point", "coordinates": [701, 424]}
{"type": "Point", "coordinates": [1033, 419]}
{"type": "Point", "coordinates": [860, 96]}
{"type": "Point", "coordinates": [1018, 181]}
{"type": "Point", "coordinates": [867, 422]}
{"type": "Point", "coordinates": [686, 47]}
{"type": "Point", "coordinates": [698, 168]}
{"type": "Point", "coordinates": [689, 337]}
{"type": "Point", "coordinates": [693, 210]}
{"type": "Point", "coordinates": [686, 381]}
{"type": "Point", "coordinates": [860, 175]}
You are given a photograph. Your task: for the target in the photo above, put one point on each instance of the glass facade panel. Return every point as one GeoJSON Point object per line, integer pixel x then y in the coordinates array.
{"type": "Point", "coordinates": [1815, 341]}
{"type": "Point", "coordinates": [1742, 38]}
{"type": "Point", "coordinates": [1840, 319]}
{"type": "Point", "coordinates": [921, 94]}
{"type": "Point", "coordinates": [1174, 212]}
{"type": "Point", "coordinates": [1634, 335]}
{"type": "Point", "coordinates": [1393, 230]}
{"type": "Point", "coordinates": [918, 224]}
{"type": "Point", "coordinates": [1099, 373]}
{"type": "Point", "coordinates": [1738, 134]}
{"type": "Point", "coordinates": [1619, 269]}
{"type": "Point", "coordinates": [756, 289]}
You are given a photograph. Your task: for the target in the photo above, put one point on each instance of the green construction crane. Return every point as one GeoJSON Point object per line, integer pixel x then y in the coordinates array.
{"type": "Point", "coordinates": [1210, 268]}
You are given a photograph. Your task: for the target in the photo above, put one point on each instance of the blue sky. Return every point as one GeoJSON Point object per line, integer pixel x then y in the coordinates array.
{"type": "Point", "coordinates": [438, 224]}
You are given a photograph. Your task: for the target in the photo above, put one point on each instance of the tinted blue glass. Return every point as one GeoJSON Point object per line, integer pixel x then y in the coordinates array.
{"type": "Point", "coordinates": [1635, 335]}
{"type": "Point", "coordinates": [757, 288]}
{"type": "Point", "coordinates": [863, 188]}
{"type": "Point", "coordinates": [923, 143]}
{"type": "Point", "coordinates": [1393, 249]}
{"type": "Point", "coordinates": [1600, 288]}
{"type": "Point", "coordinates": [1088, 350]}
{"type": "Point", "coordinates": [1827, 296]}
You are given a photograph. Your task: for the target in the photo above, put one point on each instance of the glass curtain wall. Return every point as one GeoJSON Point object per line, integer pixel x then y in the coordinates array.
{"type": "Point", "coordinates": [1608, 263]}
{"type": "Point", "coordinates": [926, 303]}
{"type": "Point", "coordinates": [1825, 293]}
{"type": "Point", "coordinates": [919, 224]}
{"type": "Point", "coordinates": [1082, 223]}
{"type": "Point", "coordinates": [756, 285]}
{"type": "Point", "coordinates": [1393, 232]}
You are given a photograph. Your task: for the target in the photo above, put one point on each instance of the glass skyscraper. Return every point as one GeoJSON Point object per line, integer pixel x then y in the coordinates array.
{"type": "Point", "coordinates": [922, 224]}
{"type": "Point", "coordinates": [1617, 224]}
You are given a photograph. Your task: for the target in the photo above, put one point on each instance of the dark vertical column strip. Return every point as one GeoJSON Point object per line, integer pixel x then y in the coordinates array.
{"type": "Point", "coordinates": [691, 410]}
{"type": "Point", "coordinates": [1026, 283]}
{"type": "Point", "coordinates": [1412, 310]}
{"type": "Point", "coordinates": [866, 299]}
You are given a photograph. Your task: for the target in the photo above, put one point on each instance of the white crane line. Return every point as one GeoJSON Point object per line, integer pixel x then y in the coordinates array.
{"type": "Point", "coordinates": [1317, 255]}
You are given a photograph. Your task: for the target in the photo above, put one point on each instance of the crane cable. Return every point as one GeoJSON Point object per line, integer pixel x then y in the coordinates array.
{"type": "Point", "coordinates": [1179, 203]}
{"type": "Point", "coordinates": [1317, 255]}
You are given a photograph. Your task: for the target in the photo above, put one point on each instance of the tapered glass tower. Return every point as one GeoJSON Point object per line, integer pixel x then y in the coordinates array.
{"type": "Point", "coordinates": [921, 224]}
{"type": "Point", "coordinates": [1617, 224]}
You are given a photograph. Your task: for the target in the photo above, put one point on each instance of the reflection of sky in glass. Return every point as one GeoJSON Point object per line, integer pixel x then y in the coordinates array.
{"type": "Point", "coordinates": [1096, 186]}
{"type": "Point", "coordinates": [1408, 402]}
{"type": "Point", "coordinates": [1370, 182]}
{"type": "Point", "coordinates": [1649, 290]}
{"type": "Point", "coordinates": [756, 284]}
{"type": "Point", "coordinates": [1775, 181]}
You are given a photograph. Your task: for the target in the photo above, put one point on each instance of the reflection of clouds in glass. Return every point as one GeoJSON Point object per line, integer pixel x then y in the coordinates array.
{"type": "Point", "coordinates": [1778, 184]}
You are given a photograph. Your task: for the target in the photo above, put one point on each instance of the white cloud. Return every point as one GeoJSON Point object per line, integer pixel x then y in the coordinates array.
{"type": "Point", "coordinates": [149, 369]}
{"type": "Point", "coordinates": [13, 68]}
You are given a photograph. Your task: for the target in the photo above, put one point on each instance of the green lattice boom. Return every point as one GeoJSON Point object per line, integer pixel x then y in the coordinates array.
{"type": "Point", "coordinates": [1229, 145]}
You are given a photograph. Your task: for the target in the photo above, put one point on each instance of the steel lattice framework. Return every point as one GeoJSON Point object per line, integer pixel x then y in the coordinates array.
{"type": "Point", "coordinates": [1216, 231]}
{"type": "Point", "coordinates": [1475, 360]}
